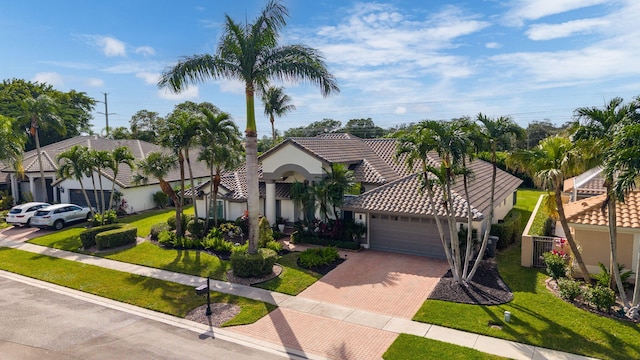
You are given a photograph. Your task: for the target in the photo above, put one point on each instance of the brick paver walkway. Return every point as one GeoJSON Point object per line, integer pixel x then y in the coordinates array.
{"type": "Point", "coordinates": [386, 283]}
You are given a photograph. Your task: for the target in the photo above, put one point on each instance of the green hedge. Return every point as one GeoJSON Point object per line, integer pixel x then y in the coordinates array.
{"type": "Point", "coordinates": [507, 230]}
{"type": "Point", "coordinates": [259, 264]}
{"type": "Point", "coordinates": [117, 237]}
{"type": "Point", "coordinates": [88, 237]}
{"type": "Point", "coordinates": [302, 237]}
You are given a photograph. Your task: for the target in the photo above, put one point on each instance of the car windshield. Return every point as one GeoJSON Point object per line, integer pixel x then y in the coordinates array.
{"type": "Point", "coordinates": [15, 211]}
{"type": "Point", "coordinates": [42, 212]}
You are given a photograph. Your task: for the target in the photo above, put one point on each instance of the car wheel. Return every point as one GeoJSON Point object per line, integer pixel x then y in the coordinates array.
{"type": "Point", "coordinates": [89, 218]}
{"type": "Point", "coordinates": [28, 224]}
{"type": "Point", "coordinates": [58, 225]}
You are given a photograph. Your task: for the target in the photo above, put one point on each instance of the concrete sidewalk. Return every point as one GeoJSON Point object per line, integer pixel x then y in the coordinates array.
{"type": "Point", "coordinates": [297, 304]}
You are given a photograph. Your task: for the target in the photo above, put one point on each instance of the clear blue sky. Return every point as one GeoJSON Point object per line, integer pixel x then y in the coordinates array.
{"type": "Point", "coordinates": [396, 61]}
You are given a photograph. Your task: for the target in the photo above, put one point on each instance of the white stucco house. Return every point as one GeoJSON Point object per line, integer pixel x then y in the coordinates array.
{"type": "Point", "coordinates": [138, 196]}
{"type": "Point", "coordinates": [397, 213]}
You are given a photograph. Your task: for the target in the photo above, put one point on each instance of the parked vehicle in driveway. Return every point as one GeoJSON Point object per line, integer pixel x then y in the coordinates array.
{"type": "Point", "coordinates": [57, 216]}
{"type": "Point", "coordinates": [20, 215]}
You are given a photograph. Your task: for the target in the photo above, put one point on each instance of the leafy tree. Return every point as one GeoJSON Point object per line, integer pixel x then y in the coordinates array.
{"type": "Point", "coordinates": [555, 159]}
{"type": "Point", "coordinates": [120, 133]}
{"type": "Point", "coordinates": [326, 126]}
{"type": "Point", "coordinates": [73, 165]}
{"type": "Point", "coordinates": [338, 181]}
{"type": "Point", "coordinates": [11, 143]}
{"type": "Point", "coordinates": [42, 113]}
{"type": "Point", "coordinates": [600, 125]}
{"type": "Point", "coordinates": [251, 53]}
{"type": "Point", "coordinates": [220, 139]}
{"type": "Point", "coordinates": [363, 128]}
{"type": "Point", "coordinates": [536, 131]}
{"type": "Point", "coordinates": [73, 108]}
{"type": "Point", "coordinates": [145, 125]}
{"type": "Point", "coordinates": [276, 103]}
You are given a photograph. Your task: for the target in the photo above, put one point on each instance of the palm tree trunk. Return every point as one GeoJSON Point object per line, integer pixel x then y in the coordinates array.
{"type": "Point", "coordinates": [95, 190]}
{"type": "Point", "coordinates": [273, 130]}
{"type": "Point", "coordinates": [102, 205]}
{"type": "Point", "coordinates": [614, 272]}
{"type": "Point", "coordinates": [443, 238]}
{"type": "Point", "coordinates": [86, 198]}
{"type": "Point", "coordinates": [113, 189]}
{"type": "Point", "coordinates": [167, 189]}
{"type": "Point", "coordinates": [636, 289]}
{"type": "Point", "coordinates": [43, 186]}
{"type": "Point", "coordinates": [193, 186]}
{"type": "Point", "coordinates": [569, 236]}
{"type": "Point", "coordinates": [208, 204]}
{"type": "Point", "coordinates": [453, 231]}
{"type": "Point", "coordinates": [180, 205]}
{"type": "Point", "coordinates": [216, 185]}
{"type": "Point", "coordinates": [469, 230]}
{"type": "Point", "coordinates": [251, 148]}
{"type": "Point", "coordinates": [487, 230]}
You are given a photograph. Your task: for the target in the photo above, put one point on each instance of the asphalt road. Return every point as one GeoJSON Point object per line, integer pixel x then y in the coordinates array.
{"type": "Point", "coordinates": [37, 323]}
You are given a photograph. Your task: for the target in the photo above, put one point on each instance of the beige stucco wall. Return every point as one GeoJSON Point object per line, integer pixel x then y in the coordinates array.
{"type": "Point", "coordinates": [503, 209]}
{"type": "Point", "coordinates": [595, 247]}
{"type": "Point", "coordinates": [290, 154]}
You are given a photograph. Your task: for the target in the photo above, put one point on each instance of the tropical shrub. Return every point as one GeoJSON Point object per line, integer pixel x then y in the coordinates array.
{"type": "Point", "coordinates": [196, 227]}
{"type": "Point", "coordinates": [217, 244]}
{"type": "Point", "coordinates": [171, 221]}
{"type": "Point", "coordinates": [160, 199]}
{"type": "Point", "coordinates": [259, 264]}
{"type": "Point", "coordinates": [569, 289]}
{"type": "Point", "coordinates": [507, 230]}
{"type": "Point", "coordinates": [274, 245]}
{"type": "Point", "coordinates": [603, 277]}
{"type": "Point", "coordinates": [556, 262]}
{"type": "Point", "coordinates": [109, 217]}
{"type": "Point", "coordinates": [265, 233]}
{"type": "Point", "coordinates": [156, 229]}
{"type": "Point", "coordinates": [167, 238]}
{"type": "Point", "coordinates": [601, 297]}
{"type": "Point", "coordinates": [312, 258]}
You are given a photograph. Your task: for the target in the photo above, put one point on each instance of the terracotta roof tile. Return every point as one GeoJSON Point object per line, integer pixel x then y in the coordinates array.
{"type": "Point", "coordinates": [589, 211]}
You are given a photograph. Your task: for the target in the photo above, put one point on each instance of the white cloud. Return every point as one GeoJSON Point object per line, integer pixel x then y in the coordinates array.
{"type": "Point", "coordinates": [400, 110]}
{"type": "Point", "coordinates": [95, 82]}
{"type": "Point", "coordinates": [109, 45]}
{"type": "Point", "coordinates": [191, 92]}
{"type": "Point", "coordinates": [51, 78]}
{"type": "Point", "coordinates": [536, 9]}
{"type": "Point", "coordinates": [493, 45]}
{"type": "Point", "coordinates": [231, 86]}
{"type": "Point", "coordinates": [145, 50]}
{"type": "Point", "coordinates": [148, 77]}
{"type": "Point", "coordinates": [556, 31]}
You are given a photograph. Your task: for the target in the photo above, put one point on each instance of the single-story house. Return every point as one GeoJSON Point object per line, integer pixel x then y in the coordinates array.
{"type": "Point", "coordinates": [590, 227]}
{"type": "Point", "coordinates": [391, 204]}
{"type": "Point", "coordinates": [138, 196]}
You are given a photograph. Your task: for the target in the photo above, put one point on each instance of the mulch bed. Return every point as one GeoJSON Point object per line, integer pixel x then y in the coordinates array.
{"type": "Point", "coordinates": [486, 287]}
{"type": "Point", "coordinates": [277, 270]}
{"type": "Point", "coordinates": [220, 314]}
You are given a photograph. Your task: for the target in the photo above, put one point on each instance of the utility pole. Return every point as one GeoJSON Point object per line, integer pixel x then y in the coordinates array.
{"type": "Point", "coordinates": [106, 112]}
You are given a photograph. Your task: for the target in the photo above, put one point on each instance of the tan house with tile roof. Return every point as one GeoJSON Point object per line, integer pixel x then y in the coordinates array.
{"type": "Point", "coordinates": [139, 197]}
{"type": "Point", "coordinates": [392, 206]}
{"type": "Point", "coordinates": [590, 226]}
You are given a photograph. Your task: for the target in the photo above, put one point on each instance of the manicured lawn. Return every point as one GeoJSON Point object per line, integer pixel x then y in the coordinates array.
{"type": "Point", "coordinates": [293, 279]}
{"type": "Point", "coordinates": [537, 227]}
{"type": "Point", "coordinates": [538, 317]}
{"type": "Point", "coordinates": [164, 296]}
{"type": "Point", "coordinates": [144, 221]}
{"type": "Point", "coordinates": [66, 239]}
{"type": "Point", "coordinates": [411, 347]}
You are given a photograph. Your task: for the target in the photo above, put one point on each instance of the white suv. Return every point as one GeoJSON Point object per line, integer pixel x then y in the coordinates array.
{"type": "Point", "coordinates": [21, 214]}
{"type": "Point", "coordinates": [57, 216]}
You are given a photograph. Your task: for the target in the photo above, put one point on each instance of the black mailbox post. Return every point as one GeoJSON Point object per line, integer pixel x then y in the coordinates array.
{"type": "Point", "coordinates": [205, 290]}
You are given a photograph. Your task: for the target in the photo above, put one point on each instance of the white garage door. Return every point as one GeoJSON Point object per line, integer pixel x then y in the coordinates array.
{"type": "Point", "coordinates": [405, 234]}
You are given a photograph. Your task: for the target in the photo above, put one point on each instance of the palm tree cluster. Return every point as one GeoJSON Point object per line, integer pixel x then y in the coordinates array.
{"type": "Point", "coordinates": [455, 142]}
{"type": "Point", "coordinates": [251, 53]}
{"type": "Point", "coordinates": [189, 126]}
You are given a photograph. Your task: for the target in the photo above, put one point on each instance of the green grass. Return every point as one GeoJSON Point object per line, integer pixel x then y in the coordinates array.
{"type": "Point", "coordinates": [145, 220]}
{"type": "Point", "coordinates": [164, 296]}
{"type": "Point", "coordinates": [411, 347]}
{"type": "Point", "coordinates": [293, 279]}
{"type": "Point", "coordinates": [192, 262]}
{"type": "Point", "coordinates": [537, 226]}
{"type": "Point", "coordinates": [66, 239]}
{"type": "Point", "coordinates": [538, 317]}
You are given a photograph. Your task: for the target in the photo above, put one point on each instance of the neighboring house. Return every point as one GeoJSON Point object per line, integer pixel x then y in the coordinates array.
{"type": "Point", "coordinates": [395, 210]}
{"type": "Point", "coordinates": [590, 226]}
{"type": "Point", "coordinates": [590, 183]}
{"type": "Point", "coordinates": [138, 196]}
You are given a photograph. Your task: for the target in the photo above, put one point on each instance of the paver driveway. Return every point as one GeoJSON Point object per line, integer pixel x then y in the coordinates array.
{"type": "Point", "coordinates": [387, 283]}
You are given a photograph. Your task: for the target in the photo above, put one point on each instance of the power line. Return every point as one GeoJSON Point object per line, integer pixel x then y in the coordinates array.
{"type": "Point", "coordinates": [106, 112]}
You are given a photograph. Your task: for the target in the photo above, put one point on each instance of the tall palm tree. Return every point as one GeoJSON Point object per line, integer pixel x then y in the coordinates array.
{"type": "Point", "coordinates": [120, 155]}
{"type": "Point", "coordinates": [599, 126]}
{"type": "Point", "coordinates": [102, 160]}
{"type": "Point", "coordinates": [555, 159]}
{"type": "Point", "coordinates": [251, 53]}
{"type": "Point", "coordinates": [158, 165]}
{"type": "Point", "coordinates": [414, 147]}
{"type": "Point", "coordinates": [276, 103]}
{"type": "Point", "coordinates": [338, 181]}
{"type": "Point", "coordinates": [625, 162]}
{"type": "Point", "coordinates": [221, 149]}
{"type": "Point", "coordinates": [492, 133]}
{"type": "Point", "coordinates": [73, 165]}
{"type": "Point", "coordinates": [42, 111]}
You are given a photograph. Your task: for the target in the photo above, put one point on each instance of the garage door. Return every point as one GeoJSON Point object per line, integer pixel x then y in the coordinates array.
{"type": "Point", "coordinates": [405, 234]}
{"type": "Point", "coordinates": [77, 197]}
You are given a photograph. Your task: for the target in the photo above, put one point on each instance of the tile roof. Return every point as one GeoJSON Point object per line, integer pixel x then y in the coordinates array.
{"type": "Point", "coordinates": [375, 163]}
{"type": "Point", "coordinates": [589, 211]}
{"type": "Point", "coordinates": [139, 149]}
